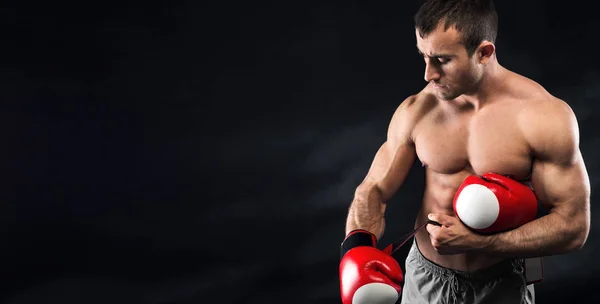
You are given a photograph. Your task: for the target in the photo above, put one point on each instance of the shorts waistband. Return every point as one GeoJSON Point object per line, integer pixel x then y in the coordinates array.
{"type": "Point", "coordinates": [485, 274]}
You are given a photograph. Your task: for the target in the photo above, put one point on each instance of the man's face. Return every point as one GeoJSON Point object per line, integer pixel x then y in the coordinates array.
{"type": "Point", "coordinates": [447, 66]}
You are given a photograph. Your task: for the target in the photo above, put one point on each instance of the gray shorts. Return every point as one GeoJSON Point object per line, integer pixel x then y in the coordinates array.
{"type": "Point", "coordinates": [426, 282]}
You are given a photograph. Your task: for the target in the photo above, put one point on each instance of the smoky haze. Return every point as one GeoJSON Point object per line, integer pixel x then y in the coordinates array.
{"type": "Point", "coordinates": [179, 152]}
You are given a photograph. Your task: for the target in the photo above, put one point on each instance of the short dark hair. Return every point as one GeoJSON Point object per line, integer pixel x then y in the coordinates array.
{"type": "Point", "coordinates": [475, 20]}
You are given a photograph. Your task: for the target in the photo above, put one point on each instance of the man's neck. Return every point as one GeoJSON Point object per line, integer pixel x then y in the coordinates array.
{"type": "Point", "coordinates": [491, 83]}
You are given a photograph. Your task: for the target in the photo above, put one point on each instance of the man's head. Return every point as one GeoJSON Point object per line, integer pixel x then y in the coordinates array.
{"type": "Point", "coordinates": [456, 39]}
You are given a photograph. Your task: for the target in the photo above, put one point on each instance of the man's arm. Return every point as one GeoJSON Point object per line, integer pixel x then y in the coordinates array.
{"type": "Point", "coordinates": [388, 171]}
{"type": "Point", "coordinates": [561, 184]}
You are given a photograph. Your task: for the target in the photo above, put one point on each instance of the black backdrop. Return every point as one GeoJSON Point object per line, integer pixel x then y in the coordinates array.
{"type": "Point", "coordinates": [183, 151]}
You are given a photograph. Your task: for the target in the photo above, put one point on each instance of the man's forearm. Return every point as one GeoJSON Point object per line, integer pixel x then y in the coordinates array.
{"type": "Point", "coordinates": [376, 227]}
{"type": "Point", "coordinates": [367, 212]}
{"type": "Point", "coordinates": [548, 235]}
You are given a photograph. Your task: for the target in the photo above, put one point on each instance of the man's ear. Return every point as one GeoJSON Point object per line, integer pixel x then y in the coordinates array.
{"type": "Point", "coordinates": [485, 51]}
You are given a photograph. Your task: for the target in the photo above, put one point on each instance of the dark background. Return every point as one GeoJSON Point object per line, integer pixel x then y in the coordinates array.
{"type": "Point", "coordinates": [179, 151]}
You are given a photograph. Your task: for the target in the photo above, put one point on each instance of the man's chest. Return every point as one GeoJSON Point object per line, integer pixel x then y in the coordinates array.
{"type": "Point", "coordinates": [488, 144]}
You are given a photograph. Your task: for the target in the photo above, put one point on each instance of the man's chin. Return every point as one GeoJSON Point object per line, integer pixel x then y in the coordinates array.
{"type": "Point", "coordinates": [445, 95]}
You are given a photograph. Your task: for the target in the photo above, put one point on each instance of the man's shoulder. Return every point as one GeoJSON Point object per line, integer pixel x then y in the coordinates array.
{"type": "Point", "coordinates": [408, 113]}
{"type": "Point", "coordinates": [535, 95]}
{"type": "Point", "coordinates": [549, 123]}
{"type": "Point", "coordinates": [545, 108]}
{"type": "Point", "coordinates": [415, 106]}
{"type": "Point", "coordinates": [535, 101]}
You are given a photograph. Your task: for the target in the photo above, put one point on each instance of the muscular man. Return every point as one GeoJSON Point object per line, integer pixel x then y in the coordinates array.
{"type": "Point", "coordinates": [473, 117]}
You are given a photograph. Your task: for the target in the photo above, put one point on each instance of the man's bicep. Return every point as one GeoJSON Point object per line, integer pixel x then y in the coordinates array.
{"type": "Point", "coordinates": [559, 175]}
{"type": "Point", "coordinates": [390, 167]}
{"type": "Point", "coordinates": [562, 187]}
{"type": "Point", "coordinates": [395, 157]}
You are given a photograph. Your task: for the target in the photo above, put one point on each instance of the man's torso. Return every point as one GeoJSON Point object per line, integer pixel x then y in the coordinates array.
{"type": "Point", "coordinates": [453, 143]}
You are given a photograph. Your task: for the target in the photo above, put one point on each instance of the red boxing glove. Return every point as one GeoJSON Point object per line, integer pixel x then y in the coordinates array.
{"type": "Point", "coordinates": [493, 203]}
{"type": "Point", "coordinates": [367, 274]}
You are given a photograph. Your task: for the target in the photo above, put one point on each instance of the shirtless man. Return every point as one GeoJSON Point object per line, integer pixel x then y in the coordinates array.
{"type": "Point", "coordinates": [473, 117]}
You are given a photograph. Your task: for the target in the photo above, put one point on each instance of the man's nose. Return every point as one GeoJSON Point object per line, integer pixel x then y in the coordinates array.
{"type": "Point", "coordinates": [431, 73]}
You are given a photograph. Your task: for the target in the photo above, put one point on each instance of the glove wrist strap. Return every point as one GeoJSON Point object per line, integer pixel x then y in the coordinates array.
{"type": "Point", "coordinates": [356, 238]}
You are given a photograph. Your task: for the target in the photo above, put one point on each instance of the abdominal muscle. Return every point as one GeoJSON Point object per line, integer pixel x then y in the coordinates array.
{"type": "Point", "coordinates": [438, 198]}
